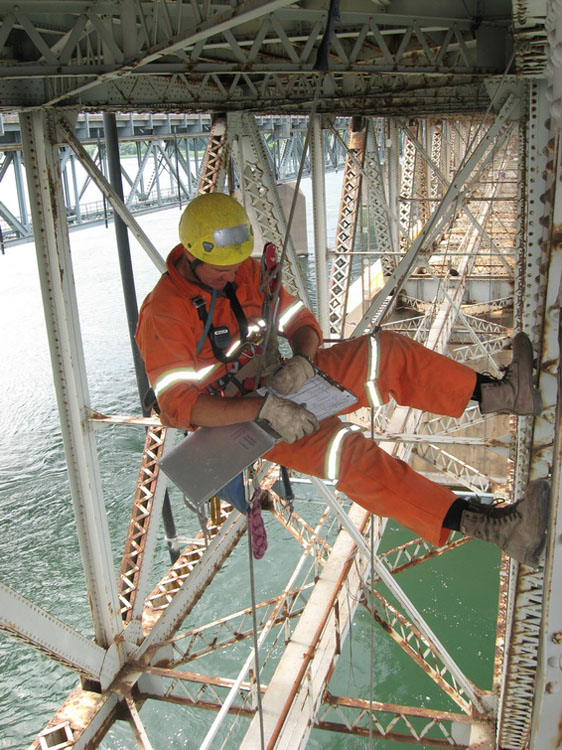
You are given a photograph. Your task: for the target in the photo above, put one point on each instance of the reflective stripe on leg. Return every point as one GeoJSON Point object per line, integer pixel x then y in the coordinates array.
{"type": "Point", "coordinates": [373, 372]}
{"type": "Point", "coordinates": [334, 451]}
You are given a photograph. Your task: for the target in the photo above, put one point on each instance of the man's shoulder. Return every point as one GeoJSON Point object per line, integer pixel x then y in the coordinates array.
{"type": "Point", "coordinates": [166, 300]}
{"type": "Point", "coordinates": [249, 272]}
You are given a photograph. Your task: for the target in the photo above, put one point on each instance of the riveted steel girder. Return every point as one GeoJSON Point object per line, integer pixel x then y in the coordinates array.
{"type": "Point", "coordinates": [218, 56]}
{"type": "Point", "coordinates": [61, 313]}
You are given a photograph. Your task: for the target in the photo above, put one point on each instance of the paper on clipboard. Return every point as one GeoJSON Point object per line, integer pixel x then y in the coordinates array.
{"type": "Point", "coordinates": [321, 395]}
{"type": "Point", "coordinates": [208, 458]}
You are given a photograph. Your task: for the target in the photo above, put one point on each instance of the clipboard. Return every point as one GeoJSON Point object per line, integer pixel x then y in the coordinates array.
{"type": "Point", "coordinates": [207, 459]}
{"type": "Point", "coordinates": [321, 395]}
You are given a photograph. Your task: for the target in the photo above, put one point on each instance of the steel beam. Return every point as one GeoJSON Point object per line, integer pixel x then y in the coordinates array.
{"type": "Point", "coordinates": [192, 586]}
{"type": "Point", "coordinates": [143, 527]}
{"type": "Point", "coordinates": [261, 197]}
{"type": "Point", "coordinates": [227, 631]}
{"type": "Point", "coordinates": [295, 690]}
{"type": "Point", "coordinates": [546, 451]}
{"type": "Point", "coordinates": [34, 626]}
{"type": "Point", "coordinates": [461, 689]}
{"type": "Point", "coordinates": [80, 723]}
{"type": "Point", "coordinates": [473, 165]}
{"type": "Point", "coordinates": [69, 371]}
{"type": "Point", "coordinates": [388, 721]}
{"type": "Point", "coordinates": [340, 277]}
{"type": "Point", "coordinates": [320, 223]}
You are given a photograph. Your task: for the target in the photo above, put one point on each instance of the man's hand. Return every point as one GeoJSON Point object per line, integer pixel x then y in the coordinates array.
{"type": "Point", "coordinates": [289, 420]}
{"type": "Point", "coordinates": [292, 376]}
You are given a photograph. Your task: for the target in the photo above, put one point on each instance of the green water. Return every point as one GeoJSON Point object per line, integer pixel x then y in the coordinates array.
{"type": "Point", "coordinates": [40, 558]}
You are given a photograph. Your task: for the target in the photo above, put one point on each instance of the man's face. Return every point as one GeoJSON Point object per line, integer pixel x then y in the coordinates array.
{"type": "Point", "coordinates": [215, 276]}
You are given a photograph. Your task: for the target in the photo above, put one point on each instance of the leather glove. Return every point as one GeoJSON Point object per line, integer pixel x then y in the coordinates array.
{"type": "Point", "coordinates": [292, 376]}
{"type": "Point", "coordinates": [289, 420]}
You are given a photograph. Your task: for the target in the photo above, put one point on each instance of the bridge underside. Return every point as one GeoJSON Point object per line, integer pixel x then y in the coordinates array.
{"type": "Point", "coordinates": [448, 231]}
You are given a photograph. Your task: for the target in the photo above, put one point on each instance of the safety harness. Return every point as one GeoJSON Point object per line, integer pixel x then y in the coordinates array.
{"type": "Point", "coordinates": [221, 337]}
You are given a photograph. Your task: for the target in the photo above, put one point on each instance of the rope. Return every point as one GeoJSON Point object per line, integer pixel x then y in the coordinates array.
{"type": "Point", "coordinates": [372, 628]}
{"type": "Point", "coordinates": [274, 302]}
{"type": "Point", "coordinates": [256, 527]}
{"type": "Point", "coordinates": [251, 554]}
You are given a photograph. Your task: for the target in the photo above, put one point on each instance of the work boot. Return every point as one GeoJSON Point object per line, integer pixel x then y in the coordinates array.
{"type": "Point", "coordinates": [515, 392]}
{"type": "Point", "coordinates": [518, 529]}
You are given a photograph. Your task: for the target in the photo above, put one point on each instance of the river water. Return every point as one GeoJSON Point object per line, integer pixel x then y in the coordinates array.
{"type": "Point", "coordinates": [39, 550]}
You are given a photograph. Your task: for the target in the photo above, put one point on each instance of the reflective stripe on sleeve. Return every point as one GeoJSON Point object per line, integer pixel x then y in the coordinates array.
{"type": "Point", "coordinates": [334, 451]}
{"type": "Point", "coordinates": [289, 314]}
{"type": "Point", "coordinates": [181, 375]}
{"type": "Point", "coordinates": [373, 373]}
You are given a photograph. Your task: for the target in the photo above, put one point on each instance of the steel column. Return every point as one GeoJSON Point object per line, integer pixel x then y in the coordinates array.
{"type": "Point", "coordinates": [124, 253]}
{"type": "Point", "coordinates": [319, 217]}
{"type": "Point", "coordinates": [69, 370]}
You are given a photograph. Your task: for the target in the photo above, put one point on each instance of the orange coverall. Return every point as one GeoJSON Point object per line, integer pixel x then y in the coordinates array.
{"type": "Point", "coordinates": [372, 367]}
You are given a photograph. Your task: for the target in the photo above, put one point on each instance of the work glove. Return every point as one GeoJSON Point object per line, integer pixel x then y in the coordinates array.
{"type": "Point", "coordinates": [289, 420]}
{"type": "Point", "coordinates": [292, 376]}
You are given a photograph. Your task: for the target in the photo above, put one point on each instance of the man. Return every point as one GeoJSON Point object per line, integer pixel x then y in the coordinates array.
{"type": "Point", "coordinates": [195, 335]}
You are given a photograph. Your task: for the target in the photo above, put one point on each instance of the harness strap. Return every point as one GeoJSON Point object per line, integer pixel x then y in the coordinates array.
{"type": "Point", "coordinates": [204, 318]}
{"type": "Point", "coordinates": [207, 320]}
{"type": "Point", "coordinates": [241, 319]}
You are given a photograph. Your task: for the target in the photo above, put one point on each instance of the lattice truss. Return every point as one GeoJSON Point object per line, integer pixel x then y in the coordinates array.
{"type": "Point", "coordinates": [242, 52]}
{"type": "Point", "coordinates": [464, 254]}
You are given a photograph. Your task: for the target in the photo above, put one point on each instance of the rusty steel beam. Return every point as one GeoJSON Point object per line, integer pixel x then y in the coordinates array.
{"type": "Point", "coordinates": [171, 584]}
{"type": "Point", "coordinates": [295, 690]}
{"type": "Point", "coordinates": [81, 722]}
{"type": "Point", "coordinates": [234, 628]}
{"type": "Point", "coordinates": [411, 641]}
{"type": "Point", "coordinates": [417, 551]}
{"type": "Point", "coordinates": [529, 711]}
{"type": "Point", "coordinates": [301, 530]}
{"type": "Point", "coordinates": [215, 160]}
{"type": "Point", "coordinates": [146, 501]}
{"type": "Point", "coordinates": [204, 691]}
{"type": "Point", "coordinates": [376, 719]}
{"type": "Point", "coordinates": [346, 228]}
{"type": "Point", "coordinates": [407, 739]}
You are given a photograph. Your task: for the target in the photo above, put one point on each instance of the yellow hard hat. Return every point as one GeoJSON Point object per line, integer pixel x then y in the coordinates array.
{"type": "Point", "coordinates": [215, 229]}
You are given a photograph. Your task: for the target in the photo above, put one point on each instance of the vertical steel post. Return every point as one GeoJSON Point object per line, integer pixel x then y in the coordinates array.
{"type": "Point", "coordinates": [127, 279]}
{"type": "Point", "coordinates": [76, 191]}
{"type": "Point", "coordinates": [139, 163]}
{"type": "Point", "coordinates": [393, 173]}
{"type": "Point", "coordinates": [123, 249]}
{"type": "Point", "coordinates": [157, 174]}
{"type": "Point", "coordinates": [319, 218]}
{"type": "Point", "coordinates": [188, 167]}
{"type": "Point", "coordinates": [22, 203]}
{"type": "Point", "coordinates": [69, 369]}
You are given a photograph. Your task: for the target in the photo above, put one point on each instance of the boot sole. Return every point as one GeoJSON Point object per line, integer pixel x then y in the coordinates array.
{"type": "Point", "coordinates": [543, 501]}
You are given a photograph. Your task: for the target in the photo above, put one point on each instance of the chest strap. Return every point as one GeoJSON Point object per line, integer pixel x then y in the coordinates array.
{"type": "Point", "coordinates": [220, 337]}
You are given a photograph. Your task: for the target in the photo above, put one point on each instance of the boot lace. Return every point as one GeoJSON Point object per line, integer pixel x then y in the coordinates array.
{"type": "Point", "coordinates": [508, 375]}
{"type": "Point", "coordinates": [498, 512]}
